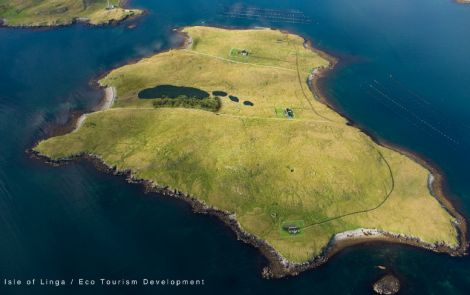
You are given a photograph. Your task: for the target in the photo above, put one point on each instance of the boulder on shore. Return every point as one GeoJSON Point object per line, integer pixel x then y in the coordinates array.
{"type": "Point", "coordinates": [387, 285]}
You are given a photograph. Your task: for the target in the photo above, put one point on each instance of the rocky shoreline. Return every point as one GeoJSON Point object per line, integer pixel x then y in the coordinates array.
{"type": "Point", "coordinates": [279, 266]}
{"type": "Point", "coordinates": [77, 20]}
{"type": "Point", "coordinates": [437, 183]}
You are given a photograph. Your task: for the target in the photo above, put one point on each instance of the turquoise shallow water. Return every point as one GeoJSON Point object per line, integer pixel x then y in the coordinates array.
{"type": "Point", "coordinates": [405, 77]}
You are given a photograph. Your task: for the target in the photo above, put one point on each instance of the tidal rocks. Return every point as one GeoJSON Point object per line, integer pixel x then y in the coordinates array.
{"type": "Point", "coordinates": [387, 285]}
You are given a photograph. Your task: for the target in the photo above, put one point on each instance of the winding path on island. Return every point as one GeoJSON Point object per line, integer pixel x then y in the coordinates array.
{"type": "Point", "coordinates": [112, 90]}
{"type": "Point", "coordinates": [380, 154]}
{"type": "Point", "coordinates": [110, 94]}
{"type": "Point", "coordinates": [365, 210]}
{"type": "Point", "coordinates": [352, 175]}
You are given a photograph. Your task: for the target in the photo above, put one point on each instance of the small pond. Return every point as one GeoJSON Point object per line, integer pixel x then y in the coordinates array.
{"type": "Point", "coordinates": [233, 98]}
{"type": "Point", "coordinates": [219, 93]}
{"type": "Point", "coordinates": [170, 91]}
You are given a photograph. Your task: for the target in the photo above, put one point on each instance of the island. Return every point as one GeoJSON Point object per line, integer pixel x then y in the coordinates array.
{"type": "Point", "coordinates": [234, 123]}
{"type": "Point", "coordinates": [45, 13]}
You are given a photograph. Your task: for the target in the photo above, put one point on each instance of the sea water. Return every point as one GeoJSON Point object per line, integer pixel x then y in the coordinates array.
{"type": "Point", "coordinates": [404, 77]}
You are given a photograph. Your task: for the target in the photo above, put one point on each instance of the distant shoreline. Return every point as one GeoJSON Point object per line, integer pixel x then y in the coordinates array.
{"type": "Point", "coordinates": [75, 20]}
{"type": "Point", "coordinates": [279, 266]}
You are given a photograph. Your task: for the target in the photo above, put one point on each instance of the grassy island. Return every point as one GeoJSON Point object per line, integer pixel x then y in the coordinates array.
{"type": "Point", "coordinates": [289, 169]}
{"type": "Point", "coordinates": [34, 13]}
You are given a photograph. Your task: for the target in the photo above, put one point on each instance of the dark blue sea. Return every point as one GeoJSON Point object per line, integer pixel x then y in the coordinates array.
{"type": "Point", "coordinates": [404, 77]}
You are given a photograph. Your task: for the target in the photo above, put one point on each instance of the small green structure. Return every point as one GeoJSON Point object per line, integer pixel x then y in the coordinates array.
{"type": "Point", "coordinates": [244, 52]}
{"type": "Point", "coordinates": [292, 229]}
{"type": "Point", "coordinates": [289, 113]}
{"type": "Point", "coordinates": [239, 52]}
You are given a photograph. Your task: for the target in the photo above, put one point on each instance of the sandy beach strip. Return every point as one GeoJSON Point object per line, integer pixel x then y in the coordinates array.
{"type": "Point", "coordinates": [109, 98]}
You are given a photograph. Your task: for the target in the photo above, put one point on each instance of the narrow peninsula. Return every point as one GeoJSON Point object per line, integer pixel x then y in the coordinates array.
{"type": "Point", "coordinates": [229, 123]}
{"type": "Point", "coordinates": [46, 13]}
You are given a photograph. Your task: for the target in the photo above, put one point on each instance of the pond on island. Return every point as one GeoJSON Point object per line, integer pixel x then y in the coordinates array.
{"type": "Point", "coordinates": [233, 98]}
{"type": "Point", "coordinates": [171, 91]}
{"type": "Point", "coordinates": [219, 93]}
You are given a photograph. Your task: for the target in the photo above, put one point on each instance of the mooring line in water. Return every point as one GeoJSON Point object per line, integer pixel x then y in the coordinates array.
{"type": "Point", "coordinates": [401, 115]}
{"type": "Point", "coordinates": [407, 89]}
{"type": "Point", "coordinates": [275, 15]}
{"type": "Point", "coordinates": [429, 105]}
{"type": "Point", "coordinates": [416, 100]}
{"type": "Point", "coordinates": [419, 119]}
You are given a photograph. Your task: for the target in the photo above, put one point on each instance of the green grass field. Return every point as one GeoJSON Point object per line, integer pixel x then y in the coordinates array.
{"type": "Point", "coordinates": [252, 160]}
{"type": "Point", "coordinates": [61, 12]}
